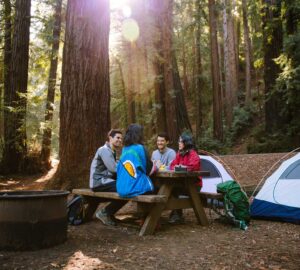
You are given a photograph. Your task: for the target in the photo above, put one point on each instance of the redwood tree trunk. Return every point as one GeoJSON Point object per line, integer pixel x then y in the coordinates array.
{"type": "Point", "coordinates": [46, 143]}
{"type": "Point", "coordinates": [231, 76]}
{"type": "Point", "coordinates": [158, 67]}
{"type": "Point", "coordinates": [215, 71]}
{"type": "Point", "coordinates": [123, 93]}
{"type": "Point", "coordinates": [15, 148]}
{"type": "Point", "coordinates": [85, 93]}
{"type": "Point", "coordinates": [199, 81]}
{"type": "Point", "coordinates": [248, 50]}
{"type": "Point", "coordinates": [176, 116]}
{"type": "Point", "coordinates": [180, 106]}
{"type": "Point", "coordinates": [7, 60]}
{"type": "Point", "coordinates": [170, 94]}
{"type": "Point", "coordinates": [272, 46]}
{"type": "Point", "coordinates": [131, 86]}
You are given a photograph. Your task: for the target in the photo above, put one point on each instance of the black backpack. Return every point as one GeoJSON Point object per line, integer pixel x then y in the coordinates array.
{"type": "Point", "coordinates": [76, 210]}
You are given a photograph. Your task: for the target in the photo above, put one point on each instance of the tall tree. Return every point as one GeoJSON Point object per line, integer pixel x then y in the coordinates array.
{"type": "Point", "coordinates": [215, 71]}
{"type": "Point", "coordinates": [199, 82]}
{"type": "Point", "coordinates": [85, 90]}
{"type": "Point", "coordinates": [46, 143]}
{"type": "Point", "coordinates": [123, 92]}
{"type": "Point", "coordinates": [131, 85]}
{"type": "Point", "coordinates": [176, 117]}
{"type": "Point", "coordinates": [7, 51]}
{"type": "Point", "coordinates": [248, 49]}
{"type": "Point", "coordinates": [158, 66]}
{"type": "Point", "coordinates": [230, 66]}
{"type": "Point", "coordinates": [272, 47]}
{"type": "Point", "coordinates": [15, 148]}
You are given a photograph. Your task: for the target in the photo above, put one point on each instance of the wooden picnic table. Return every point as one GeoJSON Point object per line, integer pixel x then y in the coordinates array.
{"type": "Point", "coordinates": [154, 204]}
{"type": "Point", "coordinates": [167, 181]}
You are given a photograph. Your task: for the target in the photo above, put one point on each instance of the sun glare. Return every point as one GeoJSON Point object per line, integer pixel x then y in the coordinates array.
{"type": "Point", "coordinates": [117, 4]}
{"type": "Point", "coordinates": [130, 30]}
{"type": "Point", "coordinates": [129, 27]}
{"type": "Point", "coordinates": [126, 10]}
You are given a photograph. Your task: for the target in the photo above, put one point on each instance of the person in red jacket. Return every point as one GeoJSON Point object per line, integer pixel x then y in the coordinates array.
{"type": "Point", "coordinates": [187, 156]}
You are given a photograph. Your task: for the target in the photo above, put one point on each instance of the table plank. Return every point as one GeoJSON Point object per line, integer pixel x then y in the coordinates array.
{"type": "Point", "coordinates": [173, 174]}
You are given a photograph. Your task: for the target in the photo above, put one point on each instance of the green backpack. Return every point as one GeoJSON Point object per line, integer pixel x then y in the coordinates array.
{"type": "Point", "coordinates": [236, 203]}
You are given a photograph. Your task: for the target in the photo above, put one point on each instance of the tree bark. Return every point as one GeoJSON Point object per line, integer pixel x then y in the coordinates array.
{"type": "Point", "coordinates": [231, 76]}
{"type": "Point", "coordinates": [46, 143]}
{"type": "Point", "coordinates": [15, 100]}
{"type": "Point", "coordinates": [7, 60]}
{"type": "Point", "coordinates": [171, 98]}
{"type": "Point", "coordinates": [291, 16]}
{"type": "Point", "coordinates": [248, 49]}
{"type": "Point", "coordinates": [215, 71]}
{"type": "Point", "coordinates": [170, 94]}
{"type": "Point", "coordinates": [185, 71]}
{"type": "Point", "coordinates": [85, 90]}
{"type": "Point", "coordinates": [180, 106]}
{"type": "Point", "coordinates": [272, 47]}
{"type": "Point", "coordinates": [131, 86]}
{"type": "Point", "coordinates": [123, 92]}
{"type": "Point", "coordinates": [158, 65]}
{"type": "Point", "coordinates": [199, 81]}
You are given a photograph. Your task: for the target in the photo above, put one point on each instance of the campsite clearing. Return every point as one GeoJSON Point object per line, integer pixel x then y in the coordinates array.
{"type": "Point", "coordinates": [265, 245]}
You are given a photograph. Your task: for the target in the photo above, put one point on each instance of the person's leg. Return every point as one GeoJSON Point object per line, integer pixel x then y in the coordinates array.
{"type": "Point", "coordinates": [176, 215]}
{"type": "Point", "coordinates": [106, 215]}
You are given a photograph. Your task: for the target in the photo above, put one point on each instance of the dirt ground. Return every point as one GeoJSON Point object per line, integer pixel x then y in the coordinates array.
{"type": "Point", "coordinates": [265, 245]}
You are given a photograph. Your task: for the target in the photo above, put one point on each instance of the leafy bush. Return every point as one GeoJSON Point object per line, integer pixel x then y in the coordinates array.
{"type": "Point", "coordinates": [209, 144]}
{"type": "Point", "coordinates": [243, 117]}
{"type": "Point", "coordinates": [271, 143]}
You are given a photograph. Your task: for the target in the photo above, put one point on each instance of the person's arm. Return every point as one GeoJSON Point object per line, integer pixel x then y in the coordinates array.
{"type": "Point", "coordinates": [108, 160]}
{"type": "Point", "coordinates": [193, 163]}
{"type": "Point", "coordinates": [174, 162]}
{"type": "Point", "coordinates": [149, 163]}
{"type": "Point", "coordinates": [153, 156]}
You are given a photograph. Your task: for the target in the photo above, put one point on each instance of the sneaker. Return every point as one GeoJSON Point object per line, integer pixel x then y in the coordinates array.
{"type": "Point", "coordinates": [114, 219]}
{"type": "Point", "coordinates": [105, 218]}
{"type": "Point", "coordinates": [176, 218]}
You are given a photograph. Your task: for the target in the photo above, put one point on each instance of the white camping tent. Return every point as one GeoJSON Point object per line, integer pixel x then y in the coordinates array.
{"type": "Point", "coordinates": [279, 198]}
{"type": "Point", "coordinates": [218, 174]}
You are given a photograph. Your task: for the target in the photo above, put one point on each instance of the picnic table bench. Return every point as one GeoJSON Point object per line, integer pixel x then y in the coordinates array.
{"type": "Point", "coordinates": [154, 204]}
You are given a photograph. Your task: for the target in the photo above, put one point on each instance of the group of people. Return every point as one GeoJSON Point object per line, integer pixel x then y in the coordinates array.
{"type": "Point", "coordinates": [130, 175]}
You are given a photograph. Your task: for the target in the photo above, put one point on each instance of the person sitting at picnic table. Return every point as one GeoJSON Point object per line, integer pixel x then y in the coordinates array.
{"type": "Point", "coordinates": [188, 157]}
{"type": "Point", "coordinates": [163, 155]}
{"type": "Point", "coordinates": [134, 166]}
{"type": "Point", "coordinates": [103, 175]}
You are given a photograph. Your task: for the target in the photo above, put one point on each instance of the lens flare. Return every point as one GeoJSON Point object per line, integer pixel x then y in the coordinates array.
{"type": "Point", "coordinates": [130, 30]}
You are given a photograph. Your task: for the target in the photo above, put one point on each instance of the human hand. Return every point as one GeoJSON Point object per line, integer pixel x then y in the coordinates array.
{"type": "Point", "coordinates": [158, 163]}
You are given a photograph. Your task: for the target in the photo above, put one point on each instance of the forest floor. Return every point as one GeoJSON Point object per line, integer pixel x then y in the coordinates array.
{"type": "Point", "coordinates": [265, 245]}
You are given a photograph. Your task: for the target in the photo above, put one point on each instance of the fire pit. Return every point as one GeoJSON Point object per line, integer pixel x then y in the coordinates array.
{"type": "Point", "coordinates": [32, 219]}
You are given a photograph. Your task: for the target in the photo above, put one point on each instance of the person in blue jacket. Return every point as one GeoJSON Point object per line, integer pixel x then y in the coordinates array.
{"type": "Point", "coordinates": [134, 165]}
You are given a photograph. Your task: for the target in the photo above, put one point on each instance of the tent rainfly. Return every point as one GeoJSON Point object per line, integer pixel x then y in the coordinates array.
{"type": "Point", "coordinates": [279, 197]}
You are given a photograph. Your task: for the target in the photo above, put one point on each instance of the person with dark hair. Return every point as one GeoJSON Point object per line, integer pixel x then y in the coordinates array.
{"type": "Point", "coordinates": [188, 157]}
{"type": "Point", "coordinates": [134, 165]}
{"type": "Point", "coordinates": [163, 155]}
{"type": "Point", "coordinates": [103, 175]}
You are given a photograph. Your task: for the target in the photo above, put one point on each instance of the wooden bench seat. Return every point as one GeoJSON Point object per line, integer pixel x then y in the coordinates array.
{"type": "Point", "coordinates": [94, 198]}
{"type": "Point", "coordinates": [208, 195]}
{"type": "Point", "coordinates": [114, 196]}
